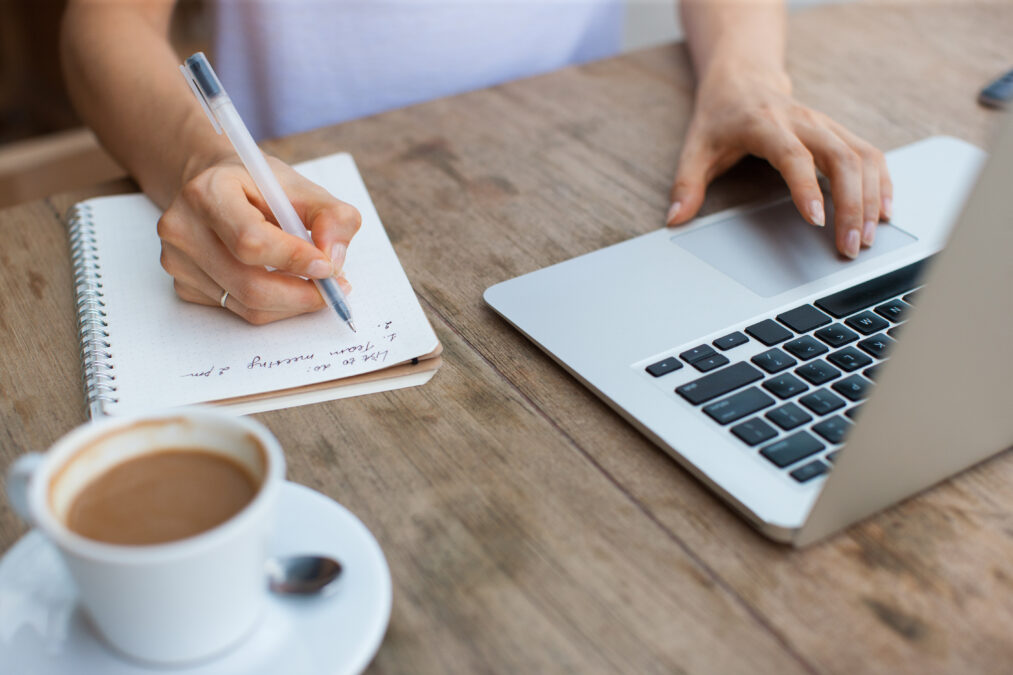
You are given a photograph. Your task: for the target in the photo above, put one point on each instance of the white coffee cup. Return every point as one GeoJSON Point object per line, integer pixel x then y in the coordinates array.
{"type": "Point", "coordinates": [171, 603]}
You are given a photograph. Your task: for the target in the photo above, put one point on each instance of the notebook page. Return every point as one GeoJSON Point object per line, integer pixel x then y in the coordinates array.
{"type": "Point", "coordinates": [168, 352]}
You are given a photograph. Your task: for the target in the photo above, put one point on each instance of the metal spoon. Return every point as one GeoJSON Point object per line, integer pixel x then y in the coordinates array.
{"type": "Point", "coordinates": [302, 574]}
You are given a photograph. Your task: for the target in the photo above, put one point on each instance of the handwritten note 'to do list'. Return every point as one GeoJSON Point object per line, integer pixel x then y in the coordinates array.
{"type": "Point", "coordinates": [343, 358]}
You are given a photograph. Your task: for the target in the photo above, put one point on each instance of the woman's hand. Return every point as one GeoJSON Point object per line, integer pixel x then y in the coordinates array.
{"type": "Point", "coordinates": [739, 113]}
{"type": "Point", "coordinates": [218, 235]}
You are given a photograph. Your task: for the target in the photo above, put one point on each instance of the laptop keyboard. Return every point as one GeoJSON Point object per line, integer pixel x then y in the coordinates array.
{"type": "Point", "coordinates": [795, 400]}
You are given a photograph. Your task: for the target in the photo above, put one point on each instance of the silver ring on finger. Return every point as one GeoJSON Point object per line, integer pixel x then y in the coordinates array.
{"type": "Point", "coordinates": [225, 296]}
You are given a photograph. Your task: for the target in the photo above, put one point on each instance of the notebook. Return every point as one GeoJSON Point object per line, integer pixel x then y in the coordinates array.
{"type": "Point", "coordinates": [143, 348]}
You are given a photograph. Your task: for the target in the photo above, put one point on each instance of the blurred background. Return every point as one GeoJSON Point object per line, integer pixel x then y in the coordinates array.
{"type": "Point", "coordinates": [43, 147]}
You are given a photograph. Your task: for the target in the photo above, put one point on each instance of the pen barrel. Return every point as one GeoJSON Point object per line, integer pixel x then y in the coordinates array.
{"type": "Point", "coordinates": [270, 189]}
{"type": "Point", "coordinates": [256, 164]}
{"type": "Point", "coordinates": [332, 295]}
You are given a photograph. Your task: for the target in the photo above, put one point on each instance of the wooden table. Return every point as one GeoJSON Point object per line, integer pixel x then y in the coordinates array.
{"type": "Point", "coordinates": [528, 528]}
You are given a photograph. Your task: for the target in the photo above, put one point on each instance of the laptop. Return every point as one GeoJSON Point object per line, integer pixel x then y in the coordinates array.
{"type": "Point", "coordinates": [807, 390]}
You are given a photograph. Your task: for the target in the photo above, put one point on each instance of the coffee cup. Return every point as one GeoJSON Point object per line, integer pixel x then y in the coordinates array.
{"type": "Point", "coordinates": [166, 594]}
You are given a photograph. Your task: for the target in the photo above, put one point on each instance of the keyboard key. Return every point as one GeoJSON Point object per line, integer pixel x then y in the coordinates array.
{"type": "Point", "coordinates": [711, 362]}
{"type": "Point", "coordinates": [832, 456]}
{"type": "Point", "coordinates": [852, 412]}
{"type": "Point", "coordinates": [719, 383]}
{"type": "Point", "coordinates": [768, 332]}
{"type": "Point", "coordinates": [853, 388]}
{"type": "Point", "coordinates": [773, 360]}
{"type": "Point", "coordinates": [803, 319]}
{"type": "Point", "coordinates": [754, 431]}
{"type": "Point", "coordinates": [877, 345]}
{"type": "Point", "coordinates": [784, 385]}
{"type": "Point", "coordinates": [809, 471]}
{"type": "Point", "coordinates": [806, 347]}
{"type": "Point", "coordinates": [789, 416]}
{"type": "Point", "coordinates": [737, 406]}
{"type": "Point", "coordinates": [849, 359]}
{"type": "Point", "coordinates": [664, 367]}
{"type": "Point", "coordinates": [791, 449]}
{"type": "Point", "coordinates": [893, 310]}
{"type": "Point", "coordinates": [872, 292]}
{"type": "Point", "coordinates": [910, 297]}
{"type": "Point", "coordinates": [697, 353]}
{"type": "Point", "coordinates": [731, 340]}
{"type": "Point", "coordinates": [836, 335]}
{"type": "Point", "coordinates": [893, 332]}
{"type": "Point", "coordinates": [822, 402]}
{"type": "Point", "coordinates": [867, 323]}
{"type": "Point", "coordinates": [872, 372]}
{"type": "Point", "coordinates": [834, 429]}
{"type": "Point", "coordinates": [817, 372]}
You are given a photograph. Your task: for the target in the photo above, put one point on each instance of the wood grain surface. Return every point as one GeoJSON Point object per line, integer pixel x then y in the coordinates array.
{"type": "Point", "coordinates": [528, 528]}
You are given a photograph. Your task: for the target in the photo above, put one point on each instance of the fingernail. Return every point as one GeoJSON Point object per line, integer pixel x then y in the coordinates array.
{"type": "Point", "coordinates": [887, 208]}
{"type": "Point", "coordinates": [851, 244]}
{"type": "Point", "coordinates": [319, 269]}
{"type": "Point", "coordinates": [673, 211]}
{"type": "Point", "coordinates": [869, 232]}
{"type": "Point", "coordinates": [338, 252]}
{"type": "Point", "coordinates": [816, 214]}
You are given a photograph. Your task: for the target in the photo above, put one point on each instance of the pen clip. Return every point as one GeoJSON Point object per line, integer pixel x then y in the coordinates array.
{"type": "Point", "coordinates": [201, 98]}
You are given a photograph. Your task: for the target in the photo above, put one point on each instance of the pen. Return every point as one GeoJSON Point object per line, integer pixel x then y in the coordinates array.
{"type": "Point", "coordinates": [224, 117]}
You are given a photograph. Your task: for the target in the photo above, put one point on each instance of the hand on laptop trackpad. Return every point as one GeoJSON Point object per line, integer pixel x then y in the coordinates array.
{"type": "Point", "coordinates": [771, 250]}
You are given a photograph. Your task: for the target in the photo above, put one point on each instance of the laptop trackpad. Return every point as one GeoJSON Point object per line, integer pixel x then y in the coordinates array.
{"type": "Point", "coordinates": [771, 250]}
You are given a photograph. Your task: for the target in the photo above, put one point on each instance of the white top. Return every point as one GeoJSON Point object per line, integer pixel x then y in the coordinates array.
{"type": "Point", "coordinates": [294, 65]}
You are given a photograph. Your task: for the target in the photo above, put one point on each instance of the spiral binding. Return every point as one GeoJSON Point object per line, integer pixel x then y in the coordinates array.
{"type": "Point", "coordinates": [96, 348]}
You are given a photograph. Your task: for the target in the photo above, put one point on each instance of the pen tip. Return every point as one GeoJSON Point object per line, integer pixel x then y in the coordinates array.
{"type": "Point", "coordinates": [352, 326]}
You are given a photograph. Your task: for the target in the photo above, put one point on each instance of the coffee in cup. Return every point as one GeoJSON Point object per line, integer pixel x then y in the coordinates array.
{"type": "Point", "coordinates": [160, 497]}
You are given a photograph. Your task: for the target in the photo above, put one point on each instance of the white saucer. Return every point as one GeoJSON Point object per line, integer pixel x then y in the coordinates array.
{"type": "Point", "coordinates": [44, 632]}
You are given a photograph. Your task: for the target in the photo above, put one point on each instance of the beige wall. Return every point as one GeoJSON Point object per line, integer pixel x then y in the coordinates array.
{"type": "Point", "coordinates": [651, 22]}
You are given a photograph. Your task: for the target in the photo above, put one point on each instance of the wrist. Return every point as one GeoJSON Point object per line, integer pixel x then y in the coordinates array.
{"type": "Point", "coordinates": [202, 147]}
{"type": "Point", "coordinates": [741, 73]}
{"type": "Point", "coordinates": [196, 163]}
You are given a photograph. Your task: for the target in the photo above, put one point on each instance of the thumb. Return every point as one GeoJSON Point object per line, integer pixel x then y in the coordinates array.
{"type": "Point", "coordinates": [689, 186]}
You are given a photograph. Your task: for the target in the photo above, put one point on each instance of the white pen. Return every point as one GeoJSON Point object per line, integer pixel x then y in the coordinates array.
{"type": "Point", "coordinates": [224, 116]}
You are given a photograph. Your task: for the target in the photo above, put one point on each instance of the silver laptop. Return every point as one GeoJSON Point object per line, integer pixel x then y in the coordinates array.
{"type": "Point", "coordinates": [807, 390]}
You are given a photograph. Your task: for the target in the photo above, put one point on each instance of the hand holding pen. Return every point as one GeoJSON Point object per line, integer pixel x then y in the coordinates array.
{"type": "Point", "coordinates": [219, 235]}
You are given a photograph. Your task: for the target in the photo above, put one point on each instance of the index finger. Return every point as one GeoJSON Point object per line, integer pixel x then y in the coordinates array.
{"type": "Point", "coordinates": [332, 223]}
{"type": "Point", "coordinates": [885, 183]}
{"type": "Point", "coordinates": [252, 239]}
{"type": "Point", "coordinates": [786, 153]}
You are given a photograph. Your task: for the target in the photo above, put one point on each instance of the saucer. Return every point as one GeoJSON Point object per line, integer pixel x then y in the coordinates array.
{"type": "Point", "coordinates": [44, 632]}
